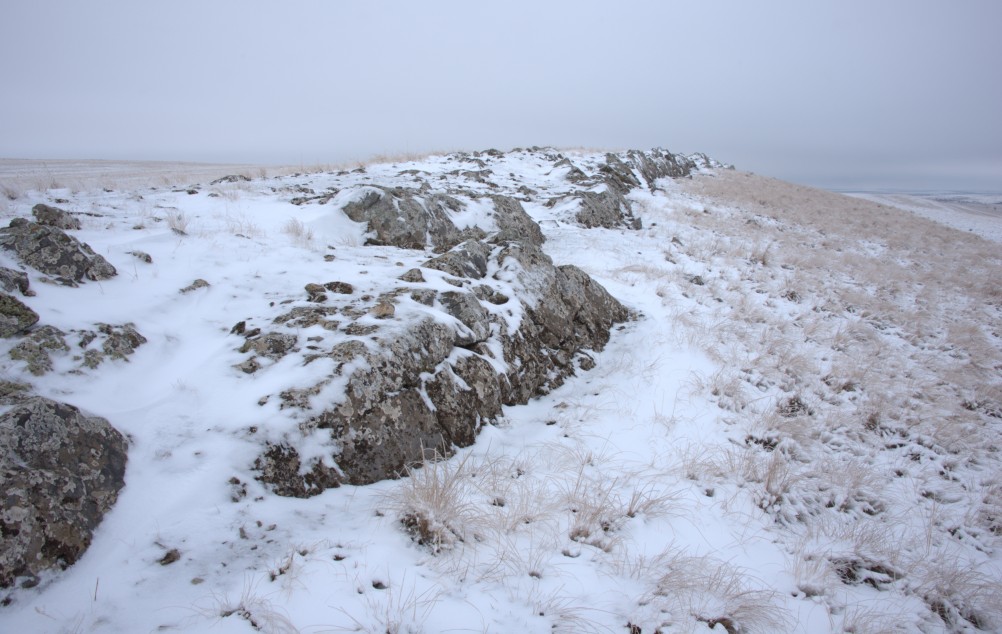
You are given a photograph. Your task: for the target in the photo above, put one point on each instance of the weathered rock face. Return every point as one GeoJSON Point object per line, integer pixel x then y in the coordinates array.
{"type": "Point", "coordinates": [408, 219]}
{"type": "Point", "coordinates": [469, 259]}
{"type": "Point", "coordinates": [55, 217]}
{"type": "Point", "coordinates": [117, 342]}
{"type": "Point", "coordinates": [36, 348]}
{"type": "Point", "coordinates": [52, 252]}
{"type": "Point", "coordinates": [514, 224]}
{"type": "Point", "coordinates": [608, 206]}
{"type": "Point", "coordinates": [15, 317]}
{"type": "Point", "coordinates": [60, 472]}
{"type": "Point", "coordinates": [430, 387]}
{"type": "Point", "coordinates": [430, 366]}
{"type": "Point", "coordinates": [11, 280]}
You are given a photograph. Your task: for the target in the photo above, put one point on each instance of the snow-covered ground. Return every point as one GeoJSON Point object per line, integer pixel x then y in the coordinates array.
{"type": "Point", "coordinates": [799, 433]}
{"type": "Point", "coordinates": [976, 213]}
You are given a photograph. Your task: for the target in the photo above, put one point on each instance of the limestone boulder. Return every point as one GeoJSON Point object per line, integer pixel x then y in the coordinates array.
{"type": "Point", "coordinates": [54, 217]}
{"type": "Point", "coordinates": [53, 252]}
{"type": "Point", "coordinates": [60, 472]}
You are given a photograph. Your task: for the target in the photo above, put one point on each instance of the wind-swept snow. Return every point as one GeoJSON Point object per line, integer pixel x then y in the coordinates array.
{"type": "Point", "coordinates": [799, 431]}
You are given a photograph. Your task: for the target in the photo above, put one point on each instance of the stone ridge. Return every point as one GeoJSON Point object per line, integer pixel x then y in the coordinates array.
{"type": "Point", "coordinates": [426, 368]}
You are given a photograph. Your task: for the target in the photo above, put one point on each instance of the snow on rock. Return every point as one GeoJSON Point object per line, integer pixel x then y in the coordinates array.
{"type": "Point", "coordinates": [52, 251]}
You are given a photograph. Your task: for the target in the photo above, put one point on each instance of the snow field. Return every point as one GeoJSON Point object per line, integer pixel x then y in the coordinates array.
{"type": "Point", "coordinates": [799, 432]}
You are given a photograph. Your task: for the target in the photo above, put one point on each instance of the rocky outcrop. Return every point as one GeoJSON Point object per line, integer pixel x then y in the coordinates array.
{"type": "Point", "coordinates": [430, 386]}
{"type": "Point", "coordinates": [53, 252]}
{"type": "Point", "coordinates": [607, 206]}
{"type": "Point", "coordinates": [60, 472]}
{"type": "Point", "coordinates": [514, 223]}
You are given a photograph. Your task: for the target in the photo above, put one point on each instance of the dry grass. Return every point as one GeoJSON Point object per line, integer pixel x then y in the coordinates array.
{"type": "Point", "coordinates": [435, 504]}
{"type": "Point", "coordinates": [298, 231]}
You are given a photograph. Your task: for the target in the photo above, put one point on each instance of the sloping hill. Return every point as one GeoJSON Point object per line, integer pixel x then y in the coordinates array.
{"type": "Point", "coordinates": [793, 426]}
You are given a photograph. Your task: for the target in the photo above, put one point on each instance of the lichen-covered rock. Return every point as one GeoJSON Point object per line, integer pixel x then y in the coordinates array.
{"type": "Point", "coordinates": [565, 312]}
{"type": "Point", "coordinates": [232, 178]}
{"type": "Point", "coordinates": [409, 219]}
{"type": "Point", "coordinates": [118, 342]}
{"type": "Point", "coordinates": [36, 348]}
{"type": "Point", "coordinates": [54, 217]}
{"type": "Point", "coordinates": [468, 259]}
{"type": "Point", "coordinates": [415, 276]}
{"type": "Point", "coordinates": [573, 173]}
{"type": "Point", "coordinates": [466, 307]}
{"type": "Point", "coordinates": [55, 253]}
{"type": "Point", "coordinates": [466, 394]}
{"type": "Point", "coordinates": [607, 208]}
{"type": "Point", "coordinates": [430, 386]}
{"type": "Point", "coordinates": [273, 345]}
{"type": "Point", "coordinates": [341, 288]}
{"type": "Point", "coordinates": [280, 467]}
{"type": "Point", "coordinates": [60, 472]}
{"type": "Point", "coordinates": [15, 317]}
{"type": "Point", "coordinates": [11, 280]}
{"type": "Point", "coordinates": [12, 392]}
{"type": "Point", "coordinates": [514, 224]}
{"type": "Point", "coordinates": [194, 286]}
{"type": "Point", "coordinates": [659, 163]}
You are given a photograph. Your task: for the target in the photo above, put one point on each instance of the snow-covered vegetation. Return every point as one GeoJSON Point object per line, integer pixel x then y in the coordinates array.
{"type": "Point", "coordinates": [798, 431]}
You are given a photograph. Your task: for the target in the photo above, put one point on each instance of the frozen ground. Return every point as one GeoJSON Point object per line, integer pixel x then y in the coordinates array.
{"type": "Point", "coordinates": [976, 213]}
{"type": "Point", "coordinates": [800, 432]}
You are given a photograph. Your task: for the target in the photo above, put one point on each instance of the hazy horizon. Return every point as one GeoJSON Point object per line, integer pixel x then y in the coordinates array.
{"type": "Point", "coordinates": [848, 95]}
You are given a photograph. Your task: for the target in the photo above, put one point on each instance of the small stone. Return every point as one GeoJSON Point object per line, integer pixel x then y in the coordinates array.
{"type": "Point", "coordinates": [170, 557]}
{"type": "Point", "coordinates": [250, 366]}
{"type": "Point", "coordinates": [194, 286]}
{"type": "Point", "coordinates": [413, 276]}
{"type": "Point", "coordinates": [383, 310]}
{"type": "Point", "coordinates": [142, 255]}
{"type": "Point", "coordinates": [341, 288]}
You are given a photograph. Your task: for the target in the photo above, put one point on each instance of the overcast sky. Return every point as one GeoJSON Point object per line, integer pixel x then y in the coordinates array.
{"type": "Point", "coordinates": [858, 94]}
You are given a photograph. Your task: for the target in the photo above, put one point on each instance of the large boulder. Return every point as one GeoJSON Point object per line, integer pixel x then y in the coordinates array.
{"type": "Point", "coordinates": [60, 472]}
{"type": "Point", "coordinates": [53, 252]}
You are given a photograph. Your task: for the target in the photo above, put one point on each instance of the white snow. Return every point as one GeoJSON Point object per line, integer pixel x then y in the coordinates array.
{"type": "Point", "coordinates": [798, 433]}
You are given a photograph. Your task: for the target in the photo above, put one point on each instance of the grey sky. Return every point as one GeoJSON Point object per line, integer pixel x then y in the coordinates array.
{"type": "Point", "coordinates": [889, 93]}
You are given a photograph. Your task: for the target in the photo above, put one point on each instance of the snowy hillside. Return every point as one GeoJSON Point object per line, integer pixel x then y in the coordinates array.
{"type": "Point", "coordinates": [797, 429]}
